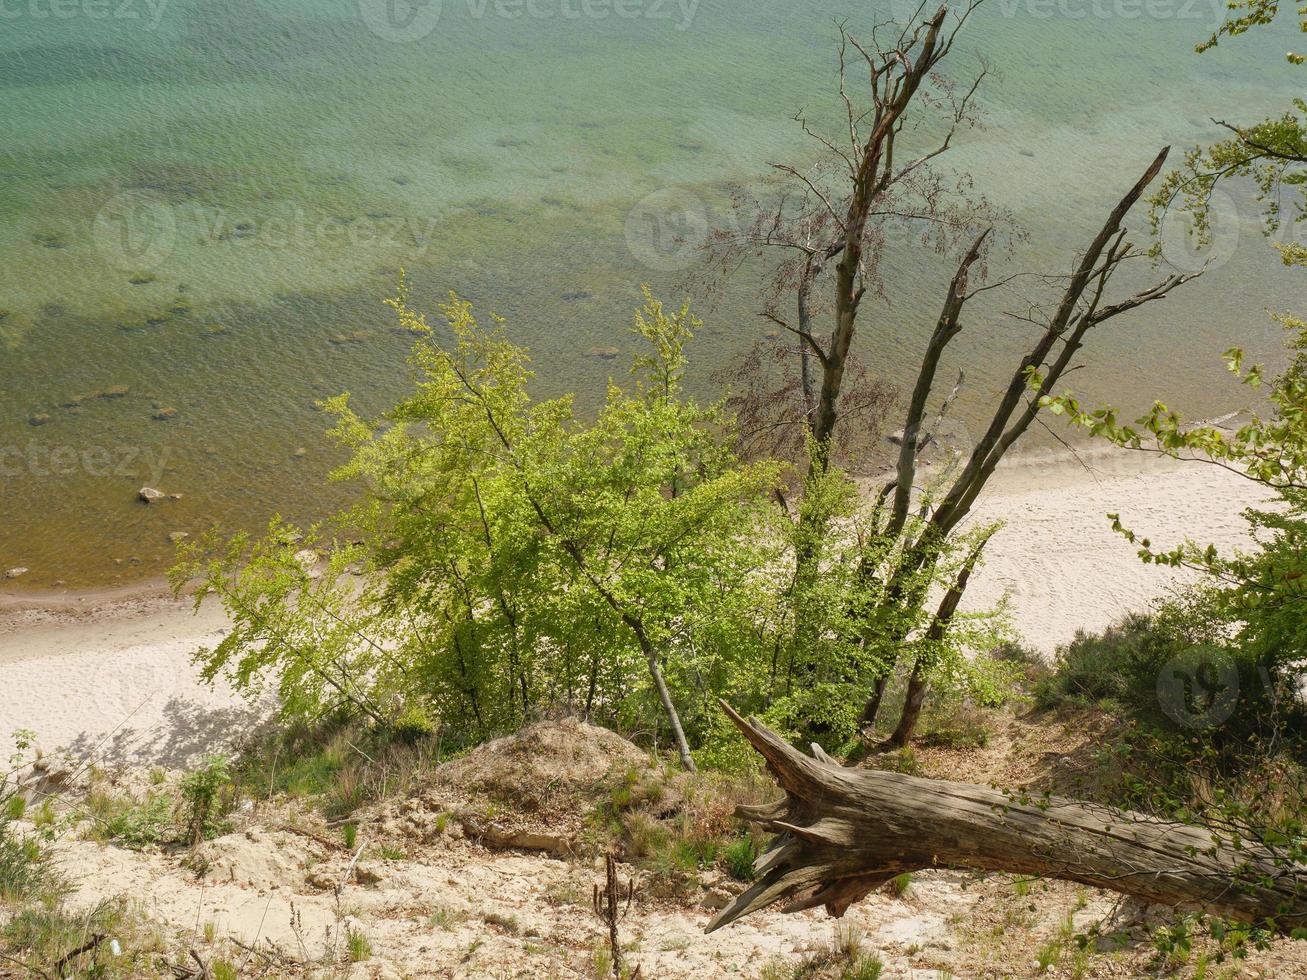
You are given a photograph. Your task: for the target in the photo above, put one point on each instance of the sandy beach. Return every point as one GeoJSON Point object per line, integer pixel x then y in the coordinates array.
{"type": "Point", "coordinates": [111, 677]}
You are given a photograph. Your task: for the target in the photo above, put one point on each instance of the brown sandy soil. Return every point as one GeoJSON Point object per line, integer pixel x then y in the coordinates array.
{"type": "Point", "coordinates": [278, 897]}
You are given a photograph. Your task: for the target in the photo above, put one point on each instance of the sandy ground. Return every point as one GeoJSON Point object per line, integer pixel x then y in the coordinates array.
{"type": "Point", "coordinates": [112, 678]}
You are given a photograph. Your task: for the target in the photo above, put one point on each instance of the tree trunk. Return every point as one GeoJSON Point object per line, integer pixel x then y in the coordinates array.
{"type": "Point", "coordinates": [913, 702]}
{"type": "Point", "coordinates": [843, 832]}
{"type": "Point", "coordinates": [919, 681]}
{"type": "Point", "coordinates": [664, 695]}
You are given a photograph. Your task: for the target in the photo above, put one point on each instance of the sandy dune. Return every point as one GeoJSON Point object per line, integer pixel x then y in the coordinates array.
{"type": "Point", "coordinates": [113, 679]}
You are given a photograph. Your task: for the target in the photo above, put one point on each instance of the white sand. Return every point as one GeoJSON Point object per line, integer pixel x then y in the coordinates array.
{"type": "Point", "coordinates": [1059, 560]}
{"type": "Point", "coordinates": [114, 679]}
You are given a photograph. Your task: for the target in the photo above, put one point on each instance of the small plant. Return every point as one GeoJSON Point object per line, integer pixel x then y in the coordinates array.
{"type": "Point", "coordinates": [15, 806]}
{"type": "Point", "coordinates": [389, 852]}
{"type": "Point", "coordinates": [739, 858]}
{"type": "Point", "coordinates": [444, 918]}
{"type": "Point", "coordinates": [864, 967]}
{"type": "Point", "coordinates": [508, 923]}
{"type": "Point", "coordinates": [138, 825]}
{"type": "Point", "coordinates": [44, 816]}
{"type": "Point", "coordinates": [350, 833]}
{"type": "Point", "coordinates": [413, 725]}
{"type": "Point", "coordinates": [358, 946]}
{"type": "Point", "coordinates": [1047, 956]}
{"type": "Point", "coordinates": [898, 885]}
{"type": "Point", "coordinates": [200, 791]}
{"type": "Point", "coordinates": [223, 970]}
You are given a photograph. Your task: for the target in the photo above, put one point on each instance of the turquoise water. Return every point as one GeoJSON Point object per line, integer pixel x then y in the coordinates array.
{"type": "Point", "coordinates": [205, 202]}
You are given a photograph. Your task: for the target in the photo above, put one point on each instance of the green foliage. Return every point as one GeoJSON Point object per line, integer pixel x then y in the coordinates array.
{"type": "Point", "coordinates": [1247, 14]}
{"type": "Point", "coordinates": [1251, 615]}
{"type": "Point", "coordinates": [512, 558]}
{"type": "Point", "coordinates": [139, 825]}
{"type": "Point", "coordinates": [898, 885]}
{"type": "Point", "coordinates": [1119, 667]}
{"type": "Point", "coordinates": [739, 857]}
{"type": "Point", "coordinates": [413, 725]}
{"type": "Point", "coordinates": [515, 557]}
{"type": "Point", "coordinates": [358, 946]}
{"type": "Point", "coordinates": [43, 934]}
{"type": "Point", "coordinates": [1270, 155]}
{"type": "Point", "coordinates": [858, 602]}
{"type": "Point", "coordinates": [200, 792]}
{"type": "Point", "coordinates": [25, 868]}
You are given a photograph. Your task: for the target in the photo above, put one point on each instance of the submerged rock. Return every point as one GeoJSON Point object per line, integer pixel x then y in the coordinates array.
{"type": "Point", "coordinates": [114, 391]}
{"type": "Point", "coordinates": [40, 418]}
{"type": "Point", "coordinates": [15, 572]}
{"type": "Point", "coordinates": [177, 536]}
{"type": "Point", "coordinates": [150, 495]}
{"type": "Point", "coordinates": [603, 353]}
{"type": "Point", "coordinates": [164, 414]}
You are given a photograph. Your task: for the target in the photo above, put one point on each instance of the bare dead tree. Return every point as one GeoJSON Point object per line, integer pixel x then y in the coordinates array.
{"type": "Point", "coordinates": [827, 232]}
{"type": "Point", "coordinates": [829, 227]}
{"type": "Point", "coordinates": [841, 833]}
{"type": "Point", "coordinates": [608, 906]}
{"type": "Point", "coordinates": [1081, 307]}
{"type": "Point", "coordinates": [766, 396]}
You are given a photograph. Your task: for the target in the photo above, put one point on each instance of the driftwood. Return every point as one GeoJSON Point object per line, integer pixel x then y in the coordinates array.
{"type": "Point", "coordinates": [843, 832]}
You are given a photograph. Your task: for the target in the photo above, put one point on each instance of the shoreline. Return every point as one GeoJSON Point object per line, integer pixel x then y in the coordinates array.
{"type": "Point", "coordinates": [109, 672]}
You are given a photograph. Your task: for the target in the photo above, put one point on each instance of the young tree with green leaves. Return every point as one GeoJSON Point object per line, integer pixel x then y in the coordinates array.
{"type": "Point", "coordinates": [509, 556]}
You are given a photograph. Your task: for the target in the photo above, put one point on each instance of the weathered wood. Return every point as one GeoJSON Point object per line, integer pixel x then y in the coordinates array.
{"type": "Point", "coordinates": [843, 832]}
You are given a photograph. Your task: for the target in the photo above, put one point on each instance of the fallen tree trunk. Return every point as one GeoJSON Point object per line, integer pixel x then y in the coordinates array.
{"type": "Point", "coordinates": [843, 832]}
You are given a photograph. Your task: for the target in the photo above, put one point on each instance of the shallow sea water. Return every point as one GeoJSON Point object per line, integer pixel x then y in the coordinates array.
{"type": "Point", "coordinates": [206, 202]}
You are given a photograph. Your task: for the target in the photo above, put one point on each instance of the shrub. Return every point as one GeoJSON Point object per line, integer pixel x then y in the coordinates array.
{"type": "Point", "coordinates": [200, 792]}
{"type": "Point", "coordinates": [358, 945]}
{"type": "Point", "coordinates": [739, 857]}
{"type": "Point", "coordinates": [25, 869]}
{"type": "Point", "coordinates": [139, 825]}
{"type": "Point", "coordinates": [413, 725]}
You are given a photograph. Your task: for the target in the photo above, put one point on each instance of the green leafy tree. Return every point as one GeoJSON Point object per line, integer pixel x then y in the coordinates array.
{"type": "Point", "coordinates": [509, 556]}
